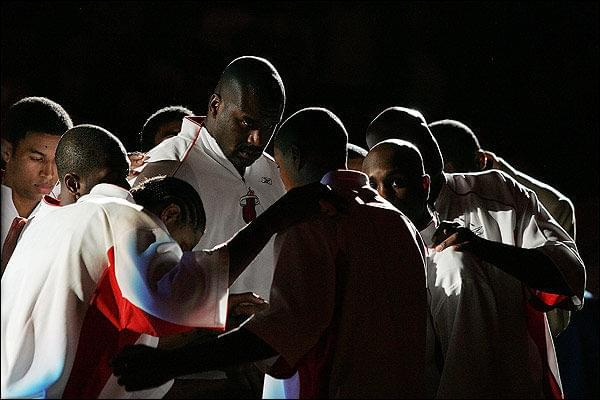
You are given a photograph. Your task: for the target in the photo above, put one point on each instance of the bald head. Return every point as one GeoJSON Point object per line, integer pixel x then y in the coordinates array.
{"type": "Point", "coordinates": [407, 124]}
{"type": "Point", "coordinates": [90, 155]}
{"type": "Point", "coordinates": [458, 144]}
{"type": "Point", "coordinates": [398, 155]}
{"type": "Point", "coordinates": [310, 143]}
{"type": "Point", "coordinates": [245, 109]}
{"type": "Point", "coordinates": [395, 170]}
{"type": "Point", "coordinates": [252, 76]}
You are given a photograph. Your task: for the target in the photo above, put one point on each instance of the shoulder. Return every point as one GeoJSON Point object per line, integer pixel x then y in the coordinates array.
{"type": "Point", "coordinates": [265, 161]}
{"type": "Point", "coordinates": [492, 185]}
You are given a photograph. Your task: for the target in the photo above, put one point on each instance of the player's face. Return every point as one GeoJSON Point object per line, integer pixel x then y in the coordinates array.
{"type": "Point", "coordinates": [30, 167]}
{"type": "Point", "coordinates": [244, 127]}
{"type": "Point", "coordinates": [405, 192]}
{"type": "Point", "coordinates": [185, 235]}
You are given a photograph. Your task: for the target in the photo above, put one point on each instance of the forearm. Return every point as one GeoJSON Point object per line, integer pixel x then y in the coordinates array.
{"type": "Point", "coordinates": [245, 245]}
{"type": "Point", "coordinates": [530, 266]}
{"type": "Point", "coordinates": [236, 347]}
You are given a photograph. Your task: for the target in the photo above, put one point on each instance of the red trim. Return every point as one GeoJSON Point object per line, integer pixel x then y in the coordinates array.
{"type": "Point", "coordinates": [125, 315]}
{"type": "Point", "coordinates": [99, 342]}
{"type": "Point", "coordinates": [111, 322]}
{"type": "Point", "coordinates": [536, 325]}
{"type": "Point", "coordinates": [200, 122]}
{"type": "Point", "coordinates": [544, 301]}
{"type": "Point", "coordinates": [51, 201]}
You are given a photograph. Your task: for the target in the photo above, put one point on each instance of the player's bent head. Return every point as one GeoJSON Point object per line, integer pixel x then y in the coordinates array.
{"type": "Point", "coordinates": [88, 155]}
{"type": "Point", "coordinates": [407, 124]}
{"type": "Point", "coordinates": [310, 143]}
{"type": "Point", "coordinates": [177, 204]}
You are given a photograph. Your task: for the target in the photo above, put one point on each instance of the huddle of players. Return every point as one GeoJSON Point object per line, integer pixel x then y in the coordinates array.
{"type": "Point", "coordinates": [402, 280]}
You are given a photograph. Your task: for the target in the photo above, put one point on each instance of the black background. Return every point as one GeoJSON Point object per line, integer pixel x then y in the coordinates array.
{"type": "Point", "coordinates": [522, 75]}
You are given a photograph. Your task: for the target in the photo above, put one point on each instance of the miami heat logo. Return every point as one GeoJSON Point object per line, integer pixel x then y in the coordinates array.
{"type": "Point", "coordinates": [248, 204]}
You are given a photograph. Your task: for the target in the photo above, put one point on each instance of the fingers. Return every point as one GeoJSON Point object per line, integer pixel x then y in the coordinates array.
{"type": "Point", "coordinates": [444, 231]}
{"type": "Point", "coordinates": [458, 240]}
{"type": "Point", "coordinates": [135, 368]}
{"type": "Point", "coordinates": [137, 159]}
{"type": "Point", "coordinates": [249, 309]}
{"type": "Point", "coordinates": [246, 303]}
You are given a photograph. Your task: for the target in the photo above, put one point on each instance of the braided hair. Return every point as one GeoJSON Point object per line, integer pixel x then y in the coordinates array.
{"type": "Point", "coordinates": [157, 193]}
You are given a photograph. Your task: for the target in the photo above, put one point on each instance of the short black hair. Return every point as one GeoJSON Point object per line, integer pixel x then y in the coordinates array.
{"type": "Point", "coordinates": [86, 149]}
{"type": "Point", "coordinates": [319, 136]}
{"type": "Point", "coordinates": [156, 193]}
{"type": "Point", "coordinates": [34, 114]}
{"type": "Point", "coordinates": [458, 144]}
{"type": "Point", "coordinates": [407, 124]}
{"type": "Point", "coordinates": [355, 151]}
{"type": "Point", "coordinates": [158, 118]}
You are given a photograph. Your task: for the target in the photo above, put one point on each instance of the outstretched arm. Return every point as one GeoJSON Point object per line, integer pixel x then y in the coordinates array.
{"type": "Point", "coordinates": [141, 367]}
{"type": "Point", "coordinates": [297, 205]}
{"type": "Point", "coordinates": [540, 273]}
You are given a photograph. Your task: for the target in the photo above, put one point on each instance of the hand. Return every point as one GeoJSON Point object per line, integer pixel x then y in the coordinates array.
{"type": "Point", "coordinates": [451, 234]}
{"type": "Point", "coordinates": [246, 304]}
{"type": "Point", "coordinates": [137, 159]}
{"type": "Point", "coordinates": [303, 202]}
{"type": "Point", "coordinates": [141, 367]}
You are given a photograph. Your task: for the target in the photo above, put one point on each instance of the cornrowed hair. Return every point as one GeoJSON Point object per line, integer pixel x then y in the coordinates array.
{"type": "Point", "coordinates": [156, 193]}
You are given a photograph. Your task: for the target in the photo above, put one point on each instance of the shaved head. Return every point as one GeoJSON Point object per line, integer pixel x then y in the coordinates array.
{"type": "Point", "coordinates": [255, 77]}
{"type": "Point", "coordinates": [245, 109]}
{"type": "Point", "coordinates": [310, 143]}
{"type": "Point", "coordinates": [395, 170]}
{"type": "Point", "coordinates": [86, 156]}
{"type": "Point", "coordinates": [458, 144]}
{"type": "Point", "coordinates": [397, 154]}
{"type": "Point", "coordinates": [407, 124]}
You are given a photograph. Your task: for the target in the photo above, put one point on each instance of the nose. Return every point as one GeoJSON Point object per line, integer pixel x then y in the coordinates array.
{"type": "Point", "coordinates": [49, 170]}
{"type": "Point", "coordinates": [386, 192]}
{"type": "Point", "coordinates": [255, 138]}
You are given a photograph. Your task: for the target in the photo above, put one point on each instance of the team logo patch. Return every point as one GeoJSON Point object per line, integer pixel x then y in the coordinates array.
{"type": "Point", "coordinates": [248, 202]}
{"type": "Point", "coordinates": [266, 180]}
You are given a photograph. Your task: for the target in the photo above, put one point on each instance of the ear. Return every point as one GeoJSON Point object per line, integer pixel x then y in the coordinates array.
{"type": "Point", "coordinates": [71, 182]}
{"type": "Point", "coordinates": [213, 104]}
{"type": "Point", "coordinates": [481, 160]}
{"type": "Point", "coordinates": [7, 150]}
{"type": "Point", "coordinates": [170, 214]}
{"type": "Point", "coordinates": [297, 160]}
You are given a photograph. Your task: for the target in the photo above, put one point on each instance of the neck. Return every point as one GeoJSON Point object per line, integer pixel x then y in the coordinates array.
{"type": "Point", "coordinates": [437, 182]}
{"type": "Point", "coordinates": [241, 170]}
{"type": "Point", "coordinates": [24, 206]}
{"type": "Point", "coordinates": [424, 220]}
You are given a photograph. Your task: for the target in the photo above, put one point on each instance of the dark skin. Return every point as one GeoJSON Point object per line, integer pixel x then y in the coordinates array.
{"type": "Point", "coordinates": [540, 273]}
{"type": "Point", "coordinates": [241, 123]}
{"type": "Point", "coordinates": [140, 367]}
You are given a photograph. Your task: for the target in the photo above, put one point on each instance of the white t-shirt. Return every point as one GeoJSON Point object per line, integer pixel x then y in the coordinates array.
{"type": "Point", "coordinates": [91, 277]}
{"type": "Point", "coordinates": [223, 192]}
{"type": "Point", "coordinates": [478, 310]}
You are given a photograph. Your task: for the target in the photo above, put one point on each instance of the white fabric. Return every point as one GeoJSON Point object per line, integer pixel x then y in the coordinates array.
{"type": "Point", "coordinates": [205, 167]}
{"type": "Point", "coordinates": [478, 310]}
{"type": "Point", "coordinates": [53, 275]}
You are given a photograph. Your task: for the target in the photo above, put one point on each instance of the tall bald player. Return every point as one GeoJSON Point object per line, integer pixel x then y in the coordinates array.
{"type": "Point", "coordinates": [221, 156]}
